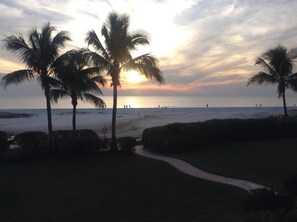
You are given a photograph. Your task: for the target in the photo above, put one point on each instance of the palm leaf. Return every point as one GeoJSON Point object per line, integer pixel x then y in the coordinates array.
{"type": "Point", "coordinates": [137, 39]}
{"type": "Point", "coordinates": [56, 94]}
{"type": "Point", "coordinates": [266, 66]}
{"type": "Point", "coordinates": [17, 44]}
{"type": "Point", "coordinates": [96, 101]}
{"type": "Point", "coordinates": [292, 82]}
{"type": "Point", "coordinates": [93, 40]}
{"type": "Point", "coordinates": [17, 77]}
{"type": "Point", "coordinates": [146, 65]}
{"type": "Point", "coordinates": [261, 78]}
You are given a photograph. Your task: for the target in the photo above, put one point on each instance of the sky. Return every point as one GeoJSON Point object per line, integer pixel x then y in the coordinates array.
{"type": "Point", "coordinates": [204, 48]}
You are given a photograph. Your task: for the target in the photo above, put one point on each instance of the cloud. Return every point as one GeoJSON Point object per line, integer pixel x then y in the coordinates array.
{"type": "Point", "coordinates": [204, 47]}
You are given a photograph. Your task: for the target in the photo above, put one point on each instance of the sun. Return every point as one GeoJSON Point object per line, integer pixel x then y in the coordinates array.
{"type": "Point", "coordinates": [134, 77]}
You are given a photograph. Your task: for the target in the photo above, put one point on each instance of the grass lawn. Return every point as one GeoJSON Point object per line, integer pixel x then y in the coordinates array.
{"type": "Point", "coordinates": [266, 162]}
{"type": "Point", "coordinates": [112, 188]}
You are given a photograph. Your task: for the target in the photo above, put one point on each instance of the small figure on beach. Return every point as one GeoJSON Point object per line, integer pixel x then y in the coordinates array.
{"type": "Point", "coordinates": [206, 105]}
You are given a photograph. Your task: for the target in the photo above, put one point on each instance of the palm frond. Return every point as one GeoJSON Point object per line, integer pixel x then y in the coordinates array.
{"type": "Point", "coordinates": [17, 77]}
{"type": "Point", "coordinates": [93, 40]}
{"type": "Point", "coordinates": [96, 101]}
{"type": "Point", "coordinates": [56, 94]}
{"type": "Point", "coordinates": [292, 82]}
{"type": "Point", "coordinates": [146, 65]}
{"type": "Point", "coordinates": [266, 66]}
{"type": "Point", "coordinates": [261, 78]}
{"type": "Point", "coordinates": [16, 44]}
{"type": "Point", "coordinates": [137, 39]}
{"type": "Point", "coordinates": [55, 82]}
{"type": "Point", "coordinates": [59, 41]}
{"type": "Point", "coordinates": [92, 71]}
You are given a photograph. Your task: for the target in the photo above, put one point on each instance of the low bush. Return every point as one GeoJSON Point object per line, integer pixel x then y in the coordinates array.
{"type": "Point", "coordinates": [32, 144]}
{"type": "Point", "coordinates": [267, 200]}
{"type": "Point", "coordinates": [4, 140]}
{"type": "Point", "coordinates": [291, 185]}
{"type": "Point", "coordinates": [181, 137]}
{"type": "Point", "coordinates": [270, 216]}
{"type": "Point", "coordinates": [75, 142]}
{"type": "Point", "coordinates": [127, 144]}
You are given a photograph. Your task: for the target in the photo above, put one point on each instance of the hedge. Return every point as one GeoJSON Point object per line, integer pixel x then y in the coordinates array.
{"type": "Point", "coordinates": [182, 137]}
{"type": "Point", "coordinates": [73, 143]}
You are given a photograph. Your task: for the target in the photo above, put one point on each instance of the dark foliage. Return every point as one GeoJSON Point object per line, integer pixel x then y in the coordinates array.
{"type": "Point", "coordinates": [33, 145]}
{"type": "Point", "coordinates": [75, 142]}
{"type": "Point", "coordinates": [271, 216]}
{"type": "Point", "coordinates": [182, 137]}
{"type": "Point", "coordinates": [4, 140]}
{"type": "Point", "coordinates": [267, 200]}
{"type": "Point", "coordinates": [126, 144]}
{"type": "Point", "coordinates": [291, 185]}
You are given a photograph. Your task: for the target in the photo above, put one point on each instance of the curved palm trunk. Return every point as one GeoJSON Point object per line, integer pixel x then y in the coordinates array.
{"type": "Point", "coordinates": [74, 104]}
{"type": "Point", "coordinates": [114, 116]}
{"type": "Point", "coordinates": [49, 116]}
{"type": "Point", "coordinates": [285, 105]}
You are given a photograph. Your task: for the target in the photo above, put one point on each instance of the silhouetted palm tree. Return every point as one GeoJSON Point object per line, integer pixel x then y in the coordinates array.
{"type": "Point", "coordinates": [278, 67]}
{"type": "Point", "coordinates": [38, 54]}
{"type": "Point", "coordinates": [77, 79]}
{"type": "Point", "coordinates": [116, 56]}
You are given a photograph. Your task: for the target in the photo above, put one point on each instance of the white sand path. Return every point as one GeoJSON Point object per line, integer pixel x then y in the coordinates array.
{"type": "Point", "coordinates": [196, 172]}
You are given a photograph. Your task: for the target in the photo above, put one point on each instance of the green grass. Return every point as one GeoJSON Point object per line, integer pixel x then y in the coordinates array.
{"type": "Point", "coordinates": [112, 188]}
{"type": "Point", "coordinates": [266, 162]}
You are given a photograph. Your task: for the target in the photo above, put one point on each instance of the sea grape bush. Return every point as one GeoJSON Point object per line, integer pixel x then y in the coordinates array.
{"type": "Point", "coordinates": [126, 144]}
{"type": "Point", "coordinates": [291, 185]}
{"type": "Point", "coordinates": [75, 142]}
{"type": "Point", "coordinates": [182, 137]}
{"type": "Point", "coordinates": [4, 140]}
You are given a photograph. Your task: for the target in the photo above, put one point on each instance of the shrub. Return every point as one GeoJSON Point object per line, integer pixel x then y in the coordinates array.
{"type": "Point", "coordinates": [264, 199]}
{"type": "Point", "coordinates": [270, 216]}
{"type": "Point", "coordinates": [291, 185]}
{"type": "Point", "coordinates": [32, 144]}
{"type": "Point", "coordinates": [4, 140]}
{"type": "Point", "coordinates": [75, 142]}
{"type": "Point", "coordinates": [180, 137]}
{"type": "Point", "coordinates": [28, 140]}
{"type": "Point", "coordinates": [126, 144]}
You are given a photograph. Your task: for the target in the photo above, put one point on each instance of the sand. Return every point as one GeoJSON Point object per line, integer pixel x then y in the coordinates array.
{"type": "Point", "coordinates": [130, 122]}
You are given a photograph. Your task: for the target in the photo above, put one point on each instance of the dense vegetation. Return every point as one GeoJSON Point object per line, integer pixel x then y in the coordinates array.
{"type": "Point", "coordinates": [182, 137]}
{"type": "Point", "coordinates": [66, 143]}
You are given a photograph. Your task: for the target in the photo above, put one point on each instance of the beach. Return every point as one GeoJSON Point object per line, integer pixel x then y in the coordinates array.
{"type": "Point", "coordinates": [130, 122]}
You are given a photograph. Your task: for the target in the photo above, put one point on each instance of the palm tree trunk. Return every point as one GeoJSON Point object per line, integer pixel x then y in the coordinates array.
{"type": "Point", "coordinates": [285, 105]}
{"type": "Point", "coordinates": [114, 115]}
{"type": "Point", "coordinates": [74, 104]}
{"type": "Point", "coordinates": [49, 116]}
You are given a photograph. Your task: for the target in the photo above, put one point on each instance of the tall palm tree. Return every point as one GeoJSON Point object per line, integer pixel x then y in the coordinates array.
{"type": "Point", "coordinates": [115, 56]}
{"type": "Point", "coordinates": [278, 65]}
{"type": "Point", "coordinates": [77, 79]}
{"type": "Point", "coordinates": [38, 54]}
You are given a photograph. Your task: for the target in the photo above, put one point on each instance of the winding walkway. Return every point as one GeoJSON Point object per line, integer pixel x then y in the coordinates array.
{"type": "Point", "coordinates": [196, 172]}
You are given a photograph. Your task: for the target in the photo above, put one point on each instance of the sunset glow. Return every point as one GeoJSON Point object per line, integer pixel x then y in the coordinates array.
{"type": "Point", "coordinates": [196, 42]}
{"type": "Point", "coordinates": [134, 77]}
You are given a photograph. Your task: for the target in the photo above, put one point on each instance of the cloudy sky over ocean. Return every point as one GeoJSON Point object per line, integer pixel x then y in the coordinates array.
{"type": "Point", "coordinates": [205, 48]}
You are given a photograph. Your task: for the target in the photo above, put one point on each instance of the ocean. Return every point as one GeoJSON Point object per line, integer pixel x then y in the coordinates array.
{"type": "Point", "coordinates": [38, 102]}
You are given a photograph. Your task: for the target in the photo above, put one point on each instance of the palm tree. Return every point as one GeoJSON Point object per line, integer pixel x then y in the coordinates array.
{"type": "Point", "coordinates": [278, 67]}
{"type": "Point", "coordinates": [115, 56]}
{"type": "Point", "coordinates": [77, 79]}
{"type": "Point", "coordinates": [38, 55]}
